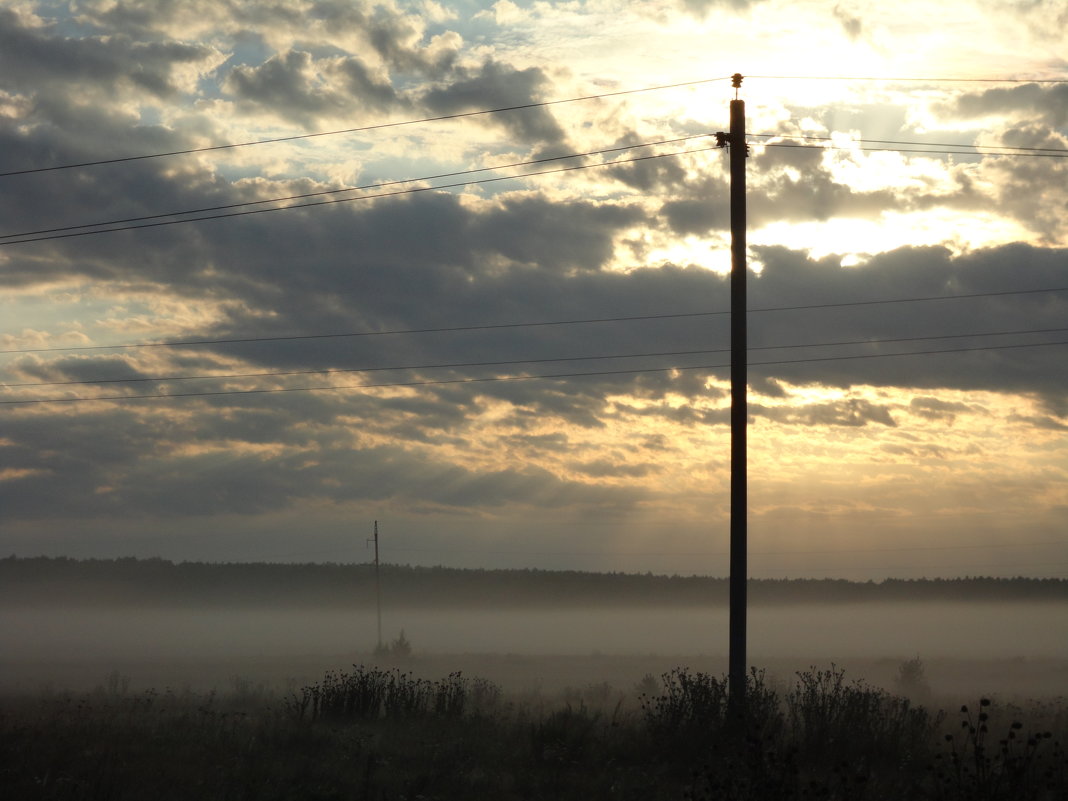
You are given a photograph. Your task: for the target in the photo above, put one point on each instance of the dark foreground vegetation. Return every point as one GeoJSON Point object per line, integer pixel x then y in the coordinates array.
{"type": "Point", "coordinates": [373, 733]}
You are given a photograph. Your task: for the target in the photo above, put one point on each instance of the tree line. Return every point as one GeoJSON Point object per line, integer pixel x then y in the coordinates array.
{"type": "Point", "coordinates": [154, 581]}
{"type": "Point", "coordinates": [129, 580]}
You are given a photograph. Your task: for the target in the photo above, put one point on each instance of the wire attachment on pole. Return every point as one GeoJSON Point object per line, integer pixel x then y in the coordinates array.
{"type": "Point", "coordinates": [724, 140]}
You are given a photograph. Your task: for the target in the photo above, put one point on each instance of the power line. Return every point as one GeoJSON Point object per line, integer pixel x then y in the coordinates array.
{"type": "Point", "coordinates": [502, 109]}
{"type": "Point", "coordinates": [954, 567]}
{"type": "Point", "coordinates": [488, 379]}
{"type": "Point", "coordinates": [907, 142]}
{"type": "Point", "coordinates": [411, 191]}
{"type": "Point", "coordinates": [904, 353]}
{"type": "Point", "coordinates": [511, 362]}
{"type": "Point", "coordinates": [1043, 151]}
{"type": "Point", "coordinates": [66, 232]}
{"type": "Point", "coordinates": [541, 323]}
{"type": "Point", "coordinates": [361, 188]}
{"type": "Point", "coordinates": [869, 568]}
{"type": "Point", "coordinates": [363, 128]}
{"type": "Point", "coordinates": [333, 370]}
{"type": "Point", "coordinates": [920, 150]}
{"type": "Point", "coordinates": [904, 80]}
{"type": "Point", "coordinates": [898, 549]}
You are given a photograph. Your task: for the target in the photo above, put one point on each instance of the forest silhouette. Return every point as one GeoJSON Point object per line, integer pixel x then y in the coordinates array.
{"type": "Point", "coordinates": [59, 580]}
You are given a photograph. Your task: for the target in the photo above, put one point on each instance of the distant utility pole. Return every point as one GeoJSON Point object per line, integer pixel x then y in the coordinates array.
{"type": "Point", "coordinates": [735, 140]}
{"type": "Point", "coordinates": [378, 592]}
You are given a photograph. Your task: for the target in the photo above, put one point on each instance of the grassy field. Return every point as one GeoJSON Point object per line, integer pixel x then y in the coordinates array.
{"type": "Point", "coordinates": [377, 732]}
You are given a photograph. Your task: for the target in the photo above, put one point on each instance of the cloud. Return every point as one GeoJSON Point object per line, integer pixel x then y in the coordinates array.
{"type": "Point", "coordinates": [853, 412]}
{"type": "Point", "coordinates": [172, 464]}
{"type": "Point", "coordinates": [295, 86]}
{"type": "Point", "coordinates": [1043, 421]}
{"type": "Point", "coordinates": [494, 84]}
{"type": "Point", "coordinates": [37, 59]}
{"type": "Point", "coordinates": [702, 8]}
{"type": "Point", "coordinates": [1034, 190]}
{"type": "Point", "coordinates": [521, 229]}
{"type": "Point", "coordinates": [645, 175]}
{"type": "Point", "coordinates": [794, 184]}
{"type": "Point", "coordinates": [551, 442]}
{"type": "Point", "coordinates": [604, 468]}
{"type": "Point", "coordinates": [937, 409]}
{"type": "Point", "coordinates": [919, 272]}
{"type": "Point", "coordinates": [695, 217]}
{"type": "Point", "coordinates": [1030, 101]}
{"type": "Point", "coordinates": [383, 32]}
{"type": "Point", "coordinates": [789, 181]}
{"type": "Point", "coordinates": [1046, 20]}
{"type": "Point", "coordinates": [851, 23]}
{"type": "Point", "coordinates": [526, 258]}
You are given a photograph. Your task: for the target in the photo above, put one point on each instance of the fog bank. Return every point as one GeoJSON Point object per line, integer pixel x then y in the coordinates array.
{"type": "Point", "coordinates": [42, 645]}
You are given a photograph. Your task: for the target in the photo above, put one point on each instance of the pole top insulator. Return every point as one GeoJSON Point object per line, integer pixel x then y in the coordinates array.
{"type": "Point", "coordinates": [736, 80]}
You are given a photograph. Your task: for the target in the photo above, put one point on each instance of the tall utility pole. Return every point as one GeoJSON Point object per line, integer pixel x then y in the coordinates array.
{"type": "Point", "coordinates": [739, 411]}
{"type": "Point", "coordinates": [378, 592]}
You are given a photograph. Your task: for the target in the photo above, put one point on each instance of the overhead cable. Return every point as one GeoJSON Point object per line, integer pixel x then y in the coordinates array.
{"type": "Point", "coordinates": [512, 362]}
{"type": "Point", "coordinates": [904, 79]}
{"type": "Point", "coordinates": [517, 107]}
{"type": "Point", "coordinates": [66, 232]}
{"type": "Point", "coordinates": [489, 379]}
{"type": "Point", "coordinates": [864, 140]}
{"type": "Point", "coordinates": [535, 324]}
{"type": "Point", "coordinates": [1059, 152]}
{"type": "Point", "coordinates": [896, 549]}
{"type": "Point", "coordinates": [381, 185]}
{"type": "Point", "coordinates": [411, 191]}
{"type": "Point", "coordinates": [364, 128]}
{"type": "Point", "coordinates": [932, 150]}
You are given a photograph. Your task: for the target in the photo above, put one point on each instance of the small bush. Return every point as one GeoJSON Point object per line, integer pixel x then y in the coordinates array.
{"type": "Point", "coordinates": [911, 680]}
{"type": "Point", "coordinates": [688, 701]}
{"type": "Point", "coordinates": [401, 647]}
{"type": "Point", "coordinates": [369, 693]}
{"type": "Point", "coordinates": [854, 723]}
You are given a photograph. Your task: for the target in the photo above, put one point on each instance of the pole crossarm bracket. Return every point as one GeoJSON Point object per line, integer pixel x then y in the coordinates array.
{"type": "Point", "coordinates": [724, 140]}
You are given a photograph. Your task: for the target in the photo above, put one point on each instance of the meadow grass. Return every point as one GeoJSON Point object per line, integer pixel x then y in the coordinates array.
{"type": "Point", "coordinates": [377, 734]}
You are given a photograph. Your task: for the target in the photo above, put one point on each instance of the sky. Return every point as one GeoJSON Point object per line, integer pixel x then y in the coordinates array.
{"type": "Point", "coordinates": [381, 353]}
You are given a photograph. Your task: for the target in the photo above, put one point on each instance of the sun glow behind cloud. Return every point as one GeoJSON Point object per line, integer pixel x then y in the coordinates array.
{"type": "Point", "coordinates": [858, 240]}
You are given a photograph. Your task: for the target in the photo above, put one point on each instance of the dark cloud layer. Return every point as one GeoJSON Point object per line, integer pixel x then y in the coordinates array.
{"type": "Point", "coordinates": [1031, 100]}
{"type": "Point", "coordinates": [97, 472]}
{"type": "Point", "coordinates": [496, 85]}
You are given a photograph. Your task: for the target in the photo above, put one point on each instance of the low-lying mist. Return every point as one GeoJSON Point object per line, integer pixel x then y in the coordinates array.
{"type": "Point", "coordinates": [1003, 644]}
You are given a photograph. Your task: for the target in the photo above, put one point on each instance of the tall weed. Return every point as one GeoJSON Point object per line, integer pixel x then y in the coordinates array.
{"type": "Point", "coordinates": [1030, 767]}
{"type": "Point", "coordinates": [830, 720]}
{"type": "Point", "coordinates": [369, 693]}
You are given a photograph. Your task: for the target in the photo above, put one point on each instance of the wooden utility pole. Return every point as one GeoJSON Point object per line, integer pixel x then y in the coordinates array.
{"type": "Point", "coordinates": [735, 140]}
{"type": "Point", "coordinates": [378, 592]}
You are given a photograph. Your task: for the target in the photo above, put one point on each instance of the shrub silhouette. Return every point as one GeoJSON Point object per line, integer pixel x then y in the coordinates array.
{"type": "Point", "coordinates": [854, 722]}
{"type": "Point", "coordinates": [911, 680]}
{"type": "Point", "coordinates": [1018, 766]}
